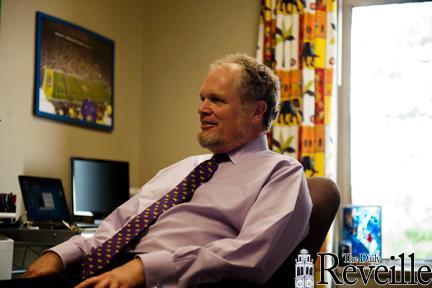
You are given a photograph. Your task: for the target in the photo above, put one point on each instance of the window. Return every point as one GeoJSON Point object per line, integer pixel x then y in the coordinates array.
{"type": "Point", "coordinates": [389, 61]}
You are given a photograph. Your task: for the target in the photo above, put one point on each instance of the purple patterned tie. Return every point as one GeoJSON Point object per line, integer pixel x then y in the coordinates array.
{"type": "Point", "coordinates": [102, 255]}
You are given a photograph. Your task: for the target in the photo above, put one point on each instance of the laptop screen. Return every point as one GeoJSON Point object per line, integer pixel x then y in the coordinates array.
{"type": "Point", "coordinates": [44, 199]}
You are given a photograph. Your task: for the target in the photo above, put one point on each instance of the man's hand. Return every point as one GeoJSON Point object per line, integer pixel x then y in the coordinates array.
{"type": "Point", "coordinates": [130, 275]}
{"type": "Point", "coordinates": [47, 264]}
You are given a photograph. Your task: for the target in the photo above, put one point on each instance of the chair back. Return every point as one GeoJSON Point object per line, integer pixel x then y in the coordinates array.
{"type": "Point", "coordinates": [326, 199]}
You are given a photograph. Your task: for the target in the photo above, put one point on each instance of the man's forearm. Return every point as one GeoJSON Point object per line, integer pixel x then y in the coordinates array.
{"type": "Point", "coordinates": [48, 264]}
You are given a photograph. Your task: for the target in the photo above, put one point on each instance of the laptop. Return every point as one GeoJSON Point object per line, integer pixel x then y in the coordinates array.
{"type": "Point", "coordinates": [45, 201]}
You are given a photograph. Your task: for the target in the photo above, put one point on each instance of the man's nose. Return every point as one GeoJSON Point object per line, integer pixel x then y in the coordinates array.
{"type": "Point", "coordinates": [204, 107]}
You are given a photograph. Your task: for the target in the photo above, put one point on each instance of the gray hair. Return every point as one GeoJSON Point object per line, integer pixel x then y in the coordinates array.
{"type": "Point", "coordinates": [258, 82]}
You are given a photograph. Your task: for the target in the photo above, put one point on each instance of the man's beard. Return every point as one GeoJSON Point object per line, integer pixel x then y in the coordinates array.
{"type": "Point", "coordinates": [209, 141]}
{"type": "Point", "coordinates": [212, 141]}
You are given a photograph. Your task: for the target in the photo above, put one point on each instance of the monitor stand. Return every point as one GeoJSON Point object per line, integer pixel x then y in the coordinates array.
{"type": "Point", "coordinates": [94, 224]}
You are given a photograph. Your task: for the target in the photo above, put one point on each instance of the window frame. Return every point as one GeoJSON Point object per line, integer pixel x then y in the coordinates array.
{"type": "Point", "coordinates": [343, 102]}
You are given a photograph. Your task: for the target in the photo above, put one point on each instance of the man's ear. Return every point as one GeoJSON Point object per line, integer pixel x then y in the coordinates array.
{"type": "Point", "coordinates": [260, 109]}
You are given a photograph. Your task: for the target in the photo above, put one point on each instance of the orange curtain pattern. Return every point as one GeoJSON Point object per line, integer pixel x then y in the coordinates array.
{"type": "Point", "coordinates": [297, 39]}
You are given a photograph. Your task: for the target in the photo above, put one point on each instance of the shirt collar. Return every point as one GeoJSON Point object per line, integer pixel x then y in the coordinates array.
{"type": "Point", "coordinates": [256, 145]}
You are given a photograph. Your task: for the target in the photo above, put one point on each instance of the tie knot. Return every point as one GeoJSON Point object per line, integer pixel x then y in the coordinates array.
{"type": "Point", "coordinates": [221, 157]}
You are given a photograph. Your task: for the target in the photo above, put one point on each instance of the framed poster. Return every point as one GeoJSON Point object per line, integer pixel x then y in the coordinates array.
{"type": "Point", "coordinates": [74, 77]}
{"type": "Point", "coordinates": [361, 228]}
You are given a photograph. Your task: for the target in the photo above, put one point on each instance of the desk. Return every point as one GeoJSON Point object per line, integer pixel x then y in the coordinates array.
{"type": "Point", "coordinates": [29, 244]}
{"type": "Point", "coordinates": [42, 237]}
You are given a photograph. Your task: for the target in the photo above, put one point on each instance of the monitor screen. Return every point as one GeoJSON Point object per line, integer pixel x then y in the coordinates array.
{"type": "Point", "coordinates": [98, 186]}
{"type": "Point", "coordinates": [44, 199]}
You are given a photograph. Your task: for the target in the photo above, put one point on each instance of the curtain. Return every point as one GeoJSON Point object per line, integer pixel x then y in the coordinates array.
{"type": "Point", "coordinates": [297, 39]}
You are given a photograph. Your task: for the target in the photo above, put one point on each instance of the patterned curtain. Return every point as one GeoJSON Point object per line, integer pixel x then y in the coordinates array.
{"type": "Point", "coordinates": [297, 39]}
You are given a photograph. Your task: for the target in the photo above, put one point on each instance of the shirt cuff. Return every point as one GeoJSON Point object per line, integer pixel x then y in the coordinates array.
{"type": "Point", "coordinates": [68, 253]}
{"type": "Point", "coordinates": [159, 269]}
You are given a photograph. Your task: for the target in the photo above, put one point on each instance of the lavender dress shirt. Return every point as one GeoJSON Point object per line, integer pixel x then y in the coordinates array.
{"type": "Point", "coordinates": [241, 224]}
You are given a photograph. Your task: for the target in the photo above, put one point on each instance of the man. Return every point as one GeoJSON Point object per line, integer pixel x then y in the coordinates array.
{"type": "Point", "coordinates": [241, 224]}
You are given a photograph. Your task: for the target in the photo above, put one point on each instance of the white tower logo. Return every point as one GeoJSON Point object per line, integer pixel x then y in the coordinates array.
{"type": "Point", "coordinates": [304, 270]}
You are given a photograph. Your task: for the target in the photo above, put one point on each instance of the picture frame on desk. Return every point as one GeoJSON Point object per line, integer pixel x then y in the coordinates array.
{"type": "Point", "coordinates": [74, 74]}
{"type": "Point", "coordinates": [362, 230]}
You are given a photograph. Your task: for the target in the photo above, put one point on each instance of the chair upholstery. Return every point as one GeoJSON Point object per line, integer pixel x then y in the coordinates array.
{"type": "Point", "coordinates": [325, 197]}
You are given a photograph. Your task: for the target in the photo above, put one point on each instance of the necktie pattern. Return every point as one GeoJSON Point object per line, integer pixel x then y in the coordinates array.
{"type": "Point", "coordinates": [102, 255]}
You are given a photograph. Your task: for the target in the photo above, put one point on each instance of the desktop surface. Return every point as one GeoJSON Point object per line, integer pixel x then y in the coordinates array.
{"type": "Point", "coordinates": [44, 237]}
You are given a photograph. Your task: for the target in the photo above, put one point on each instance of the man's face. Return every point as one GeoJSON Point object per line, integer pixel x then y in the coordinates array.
{"type": "Point", "coordinates": [225, 121]}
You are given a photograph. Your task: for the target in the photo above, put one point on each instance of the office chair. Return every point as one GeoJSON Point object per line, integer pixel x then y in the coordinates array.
{"type": "Point", "coordinates": [326, 199]}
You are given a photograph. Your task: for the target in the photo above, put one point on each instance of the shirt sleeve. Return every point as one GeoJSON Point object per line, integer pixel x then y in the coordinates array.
{"type": "Point", "coordinates": [274, 226]}
{"type": "Point", "coordinates": [74, 249]}
{"type": "Point", "coordinates": [77, 247]}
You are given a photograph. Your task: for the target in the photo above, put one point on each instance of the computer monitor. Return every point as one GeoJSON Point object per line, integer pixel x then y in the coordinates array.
{"type": "Point", "coordinates": [44, 199]}
{"type": "Point", "coordinates": [98, 186]}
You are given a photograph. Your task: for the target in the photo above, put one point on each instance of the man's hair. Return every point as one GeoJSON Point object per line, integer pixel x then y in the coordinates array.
{"type": "Point", "coordinates": [258, 82]}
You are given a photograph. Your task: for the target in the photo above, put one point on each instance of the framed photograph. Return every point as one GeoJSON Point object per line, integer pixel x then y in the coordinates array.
{"type": "Point", "coordinates": [361, 229]}
{"type": "Point", "coordinates": [74, 74]}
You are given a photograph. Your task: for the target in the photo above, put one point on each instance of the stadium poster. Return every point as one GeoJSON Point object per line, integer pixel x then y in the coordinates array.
{"type": "Point", "coordinates": [74, 74]}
